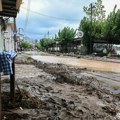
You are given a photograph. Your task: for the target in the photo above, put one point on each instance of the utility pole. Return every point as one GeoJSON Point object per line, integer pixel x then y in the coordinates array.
{"type": "Point", "coordinates": [48, 34]}
{"type": "Point", "coordinates": [91, 41]}
{"type": "Point", "coordinates": [91, 29]}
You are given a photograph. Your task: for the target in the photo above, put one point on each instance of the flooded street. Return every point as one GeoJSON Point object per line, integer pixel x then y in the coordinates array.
{"type": "Point", "coordinates": [59, 60]}
{"type": "Point", "coordinates": [105, 72]}
{"type": "Point", "coordinates": [81, 63]}
{"type": "Point", "coordinates": [60, 88]}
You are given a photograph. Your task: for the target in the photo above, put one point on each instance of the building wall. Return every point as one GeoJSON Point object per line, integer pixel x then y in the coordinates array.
{"type": "Point", "coordinates": [1, 39]}
{"type": "Point", "coordinates": [9, 41]}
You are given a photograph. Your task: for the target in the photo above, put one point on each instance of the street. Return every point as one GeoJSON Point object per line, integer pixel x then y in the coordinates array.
{"type": "Point", "coordinates": [55, 91]}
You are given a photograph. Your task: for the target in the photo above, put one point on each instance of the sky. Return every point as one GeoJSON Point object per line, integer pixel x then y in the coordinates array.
{"type": "Point", "coordinates": [43, 18]}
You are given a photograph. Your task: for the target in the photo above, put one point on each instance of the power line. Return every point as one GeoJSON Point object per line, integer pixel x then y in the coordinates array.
{"type": "Point", "coordinates": [45, 15]}
{"type": "Point", "coordinates": [27, 14]}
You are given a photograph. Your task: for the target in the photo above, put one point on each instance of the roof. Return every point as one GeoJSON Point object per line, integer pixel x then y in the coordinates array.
{"type": "Point", "coordinates": [9, 8]}
{"type": "Point", "coordinates": [107, 42]}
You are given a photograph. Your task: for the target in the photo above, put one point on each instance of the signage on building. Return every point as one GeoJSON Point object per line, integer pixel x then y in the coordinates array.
{"type": "Point", "coordinates": [80, 34]}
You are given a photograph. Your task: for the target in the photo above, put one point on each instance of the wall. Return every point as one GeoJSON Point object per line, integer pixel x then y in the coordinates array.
{"type": "Point", "coordinates": [9, 41]}
{"type": "Point", "coordinates": [1, 38]}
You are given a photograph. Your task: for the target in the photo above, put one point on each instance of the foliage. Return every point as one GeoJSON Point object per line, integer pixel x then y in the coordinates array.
{"type": "Point", "coordinates": [100, 28]}
{"type": "Point", "coordinates": [97, 10]}
{"type": "Point", "coordinates": [108, 32]}
{"type": "Point", "coordinates": [93, 24]}
{"type": "Point", "coordinates": [26, 45]}
{"type": "Point", "coordinates": [44, 42]}
{"type": "Point", "coordinates": [112, 28]}
{"type": "Point", "coordinates": [38, 46]}
{"type": "Point", "coordinates": [85, 27]}
{"type": "Point", "coordinates": [117, 26]}
{"type": "Point", "coordinates": [66, 35]}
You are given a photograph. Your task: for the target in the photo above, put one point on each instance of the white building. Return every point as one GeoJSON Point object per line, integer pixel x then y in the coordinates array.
{"type": "Point", "coordinates": [117, 49]}
{"type": "Point", "coordinates": [8, 37]}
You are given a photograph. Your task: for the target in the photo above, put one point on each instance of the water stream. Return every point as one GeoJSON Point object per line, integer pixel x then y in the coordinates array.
{"type": "Point", "coordinates": [81, 63]}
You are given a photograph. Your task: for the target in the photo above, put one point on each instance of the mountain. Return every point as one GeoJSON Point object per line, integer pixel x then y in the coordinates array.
{"type": "Point", "coordinates": [29, 39]}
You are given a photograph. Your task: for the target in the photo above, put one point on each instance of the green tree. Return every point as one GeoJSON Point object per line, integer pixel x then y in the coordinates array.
{"type": "Point", "coordinates": [44, 42]}
{"type": "Point", "coordinates": [110, 27]}
{"type": "Point", "coordinates": [85, 27]}
{"type": "Point", "coordinates": [38, 46]}
{"type": "Point", "coordinates": [97, 9]}
{"type": "Point", "coordinates": [66, 35]}
{"type": "Point", "coordinates": [26, 45]}
{"type": "Point", "coordinates": [93, 24]}
{"type": "Point", "coordinates": [117, 26]}
{"type": "Point", "coordinates": [98, 30]}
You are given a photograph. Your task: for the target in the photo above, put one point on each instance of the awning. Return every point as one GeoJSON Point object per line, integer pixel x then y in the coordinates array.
{"type": "Point", "coordinates": [9, 8]}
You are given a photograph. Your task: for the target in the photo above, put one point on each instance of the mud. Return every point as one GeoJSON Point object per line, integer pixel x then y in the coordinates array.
{"type": "Point", "coordinates": [57, 92]}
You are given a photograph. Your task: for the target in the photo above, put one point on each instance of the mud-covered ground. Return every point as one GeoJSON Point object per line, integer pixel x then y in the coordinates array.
{"type": "Point", "coordinates": [57, 92]}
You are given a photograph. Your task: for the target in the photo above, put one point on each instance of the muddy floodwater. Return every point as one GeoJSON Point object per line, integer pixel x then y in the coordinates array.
{"type": "Point", "coordinates": [63, 91]}
{"type": "Point", "coordinates": [79, 62]}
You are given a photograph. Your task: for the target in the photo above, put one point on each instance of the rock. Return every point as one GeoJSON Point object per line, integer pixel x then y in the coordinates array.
{"type": "Point", "coordinates": [118, 116]}
{"type": "Point", "coordinates": [49, 88]}
{"type": "Point", "coordinates": [101, 104]}
{"type": "Point", "coordinates": [110, 109]}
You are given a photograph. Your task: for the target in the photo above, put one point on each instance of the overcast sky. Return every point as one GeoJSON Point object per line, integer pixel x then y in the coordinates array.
{"type": "Point", "coordinates": [52, 15]}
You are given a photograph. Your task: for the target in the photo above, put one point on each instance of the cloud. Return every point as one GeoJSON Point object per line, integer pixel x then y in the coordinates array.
{"type": "Point", "coordinates": [109, 5]}
{"type": "Point", "coordinates": [50, 15]}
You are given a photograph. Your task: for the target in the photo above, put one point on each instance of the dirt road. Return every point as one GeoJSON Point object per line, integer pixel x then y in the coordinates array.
{"type": "Point", "coordinates": [106, 72]}
{"type": "Point", "coordinates": [46, 91]}
{"type": "Point", "coordinates": [81, 63]}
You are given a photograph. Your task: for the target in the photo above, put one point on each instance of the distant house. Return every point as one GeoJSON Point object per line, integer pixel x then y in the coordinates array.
{"type": "Point", "coordinates": [116, 49]}
{"type": "Point", "coordinates": [20, 38]}
{"type": "Point", "coordinates": [72, 46]}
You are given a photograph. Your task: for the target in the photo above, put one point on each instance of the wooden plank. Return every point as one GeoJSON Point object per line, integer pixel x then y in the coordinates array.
{"type": "Point", "coordinates": [8, 14]}
{"type": "Point", "coordinates": [9, 8]}
{"type": "Point", "coordinates": [10, 11]}
{"type": "Point", "coordinates": [10, 2]}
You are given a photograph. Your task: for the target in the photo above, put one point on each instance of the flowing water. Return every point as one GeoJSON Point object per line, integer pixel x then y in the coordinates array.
{"type": "Point", "coordinates": [81, 63]}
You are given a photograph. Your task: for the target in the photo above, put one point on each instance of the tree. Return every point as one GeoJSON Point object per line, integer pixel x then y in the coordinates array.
{"type": "Point", "coordinates": [117, 26]}
{"type": "Point", "coordinates": [44, 42]}
{"type": "Point", "coordinates": [66, 35]}
{"type": "Point", "coordinates": [98, 12]}
{"type": "Point", "coordinates": [26, 45]}
{"type": "Point", "coordinates": [93, 24]}
{"type": "Point", "coordinates": [110, 27]}
{"type": "Point", "coordinates": [98, 30]}
{"type": "Point", "coordinates": [85, 27]}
